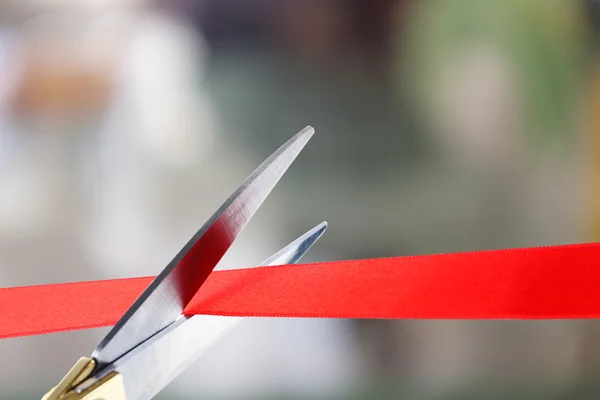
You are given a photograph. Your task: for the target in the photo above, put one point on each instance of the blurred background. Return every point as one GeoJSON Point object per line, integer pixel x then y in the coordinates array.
{"type": "Point", "coordinates": [442, 126]}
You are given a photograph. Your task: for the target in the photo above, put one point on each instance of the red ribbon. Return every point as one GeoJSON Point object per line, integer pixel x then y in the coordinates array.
{"type": "Point", "coordinates": [535, 283]}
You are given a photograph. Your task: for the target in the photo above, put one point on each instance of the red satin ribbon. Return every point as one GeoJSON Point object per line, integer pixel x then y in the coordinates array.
{"type": "Point", "coordinates": [535, 283]}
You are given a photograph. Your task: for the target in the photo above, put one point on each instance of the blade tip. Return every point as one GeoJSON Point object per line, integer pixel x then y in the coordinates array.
{"type": "Point", "coordinates": [319, 230]}
{"type": "Point", "coordinates": [308, 130]}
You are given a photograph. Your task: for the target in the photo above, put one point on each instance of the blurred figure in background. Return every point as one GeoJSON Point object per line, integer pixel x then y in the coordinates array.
{"type": "Point", "coordinates": [52, 94]}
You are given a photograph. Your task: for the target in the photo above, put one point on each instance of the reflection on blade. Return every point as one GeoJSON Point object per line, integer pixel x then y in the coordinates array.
{"type": "Point", "coordinates": [147, 369]}
{"type": "Point", "coordinates": [166, 297]}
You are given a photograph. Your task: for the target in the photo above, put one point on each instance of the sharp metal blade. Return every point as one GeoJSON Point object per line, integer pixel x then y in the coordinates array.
{"type": "Point", "coordinates": [150, 367]}
{"type": "Point", "coordinates": [293, 252]}
{"type": "Point", "coordinates": [166, 297]}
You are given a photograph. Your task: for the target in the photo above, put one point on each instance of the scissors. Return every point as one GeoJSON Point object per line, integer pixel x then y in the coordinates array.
{"type": "Point", "coordinates": [154, 342]}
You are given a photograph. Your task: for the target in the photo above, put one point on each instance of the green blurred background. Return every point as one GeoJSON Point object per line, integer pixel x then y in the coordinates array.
{"type": "Point", "coordinates": [442, 126]}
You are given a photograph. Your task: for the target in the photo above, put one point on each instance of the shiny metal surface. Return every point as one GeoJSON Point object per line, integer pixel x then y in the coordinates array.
{"type": "Point", "coordinates": [293, 252]}
{"type": "Point", "coordinates": [147, 369]}
{"type": "Point", "coordinates": [165, 298]}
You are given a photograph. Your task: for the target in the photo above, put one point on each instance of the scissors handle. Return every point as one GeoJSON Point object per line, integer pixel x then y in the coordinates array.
{"type": "Point", "coordinates": [110, 387]}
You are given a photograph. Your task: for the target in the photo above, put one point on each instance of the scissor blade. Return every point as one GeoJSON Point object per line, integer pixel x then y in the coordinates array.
{"type": "Point", "coordinates": [147, 369]}
{"type": "Point", "coordinates": [166, 297]}
{"type": "Point", "coordinates": [293, 252]}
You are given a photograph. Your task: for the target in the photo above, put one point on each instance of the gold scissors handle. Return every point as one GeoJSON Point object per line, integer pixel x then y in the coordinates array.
{"type": "Point", "coordinates": [110, 387]}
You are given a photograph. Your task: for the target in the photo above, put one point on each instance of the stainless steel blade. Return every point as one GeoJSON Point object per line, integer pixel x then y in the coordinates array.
{"type": "Point", "coordinates": [166, 297]}
{"type": "Point", "coordinates": [293, 252]}
{"type": "Point", "coordinates": [147, 369]}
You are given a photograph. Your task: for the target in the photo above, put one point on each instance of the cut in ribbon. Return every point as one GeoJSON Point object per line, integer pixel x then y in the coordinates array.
{"type": "Point", "coordinates": [559, 282]}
